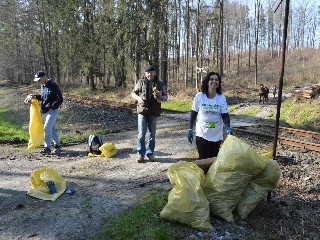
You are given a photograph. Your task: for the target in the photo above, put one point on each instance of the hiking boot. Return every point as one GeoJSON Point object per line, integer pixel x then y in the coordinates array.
{"type": "Point", "coordinates": [139, 158]}
{"type": "Point", "coordinates": [46, 151]}
{"type": "Point", "coordinates": [57, 149]}
{"type": "Point", "coordinates": [151, 157]}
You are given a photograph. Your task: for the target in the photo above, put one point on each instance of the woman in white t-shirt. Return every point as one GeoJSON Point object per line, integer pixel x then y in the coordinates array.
{"type": "Point", "coordinates": [210, 111]}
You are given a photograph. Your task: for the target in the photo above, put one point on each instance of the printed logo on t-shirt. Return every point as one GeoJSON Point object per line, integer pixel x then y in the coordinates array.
{"type": "Point", "coordinates": [209, 107]}
{"type": "Point", "coordinates": [211, 124]}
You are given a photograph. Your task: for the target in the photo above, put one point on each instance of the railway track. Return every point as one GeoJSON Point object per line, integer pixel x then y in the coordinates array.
{"type": "Point", "coordinates": [312, 142]}
{"type": "Point", "coordinates": [91, 101]}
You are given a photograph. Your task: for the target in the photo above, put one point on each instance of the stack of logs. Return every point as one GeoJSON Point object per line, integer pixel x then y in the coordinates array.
{"type": "Point", "coordinates": [306, 91]}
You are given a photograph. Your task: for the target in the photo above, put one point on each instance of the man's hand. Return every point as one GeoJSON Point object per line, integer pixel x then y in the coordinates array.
{"type": "Point", "coordinates": [190, 135]}
{"type": "Point", "coordinates": [141, 101]}
{"type": "Point", "coordinates": [28, 99]}
{"type": "Point", "coordinates": [229, 131]}
{"type": "Point", "coordinates": [157, 94]}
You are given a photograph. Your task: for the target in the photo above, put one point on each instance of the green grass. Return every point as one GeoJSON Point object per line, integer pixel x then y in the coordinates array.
{"type": "Point", "coordinates": [231, 108]}
{"type": "Point", "coordinates": [251, 111]}
{"type": "Point", "coordinates": [178, 105]}
{"type": "Point", "coordinates": [142, 222]}
{"type": "Point", "coordinates": [11, 129]}
{"type": "Point", "coordinates": [303, 114]}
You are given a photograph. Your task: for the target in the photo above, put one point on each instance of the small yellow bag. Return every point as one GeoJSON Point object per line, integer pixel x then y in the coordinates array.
{"type": "Point", "coordinates": [108, 150]}
{"type": "Point", "coordinates": [39, 188]}
{"type": "Point", "coordinates": [36, 130]}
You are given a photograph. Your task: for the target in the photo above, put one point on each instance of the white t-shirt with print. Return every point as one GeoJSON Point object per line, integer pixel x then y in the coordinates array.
{"type": "Point", "coordinates": [209, 122]}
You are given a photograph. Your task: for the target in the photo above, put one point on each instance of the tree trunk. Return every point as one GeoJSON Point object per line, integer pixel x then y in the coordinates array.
{"type": "Point", "coordinates": [221, 39]}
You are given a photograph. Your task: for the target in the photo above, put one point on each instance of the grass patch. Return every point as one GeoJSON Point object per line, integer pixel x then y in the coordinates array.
{"type": "Point", "coordinates": [231, 108]}
{"type": "Point", "coordinates": [10, 128]}
{"type": "Point", "coordinates": [143, 222]}
{"type": "Point", "coordinates": [303, 114]}
{"type": "Point", "coordinates": [251, 111]}
{"type": "Point", "coordinates": [178, 105]}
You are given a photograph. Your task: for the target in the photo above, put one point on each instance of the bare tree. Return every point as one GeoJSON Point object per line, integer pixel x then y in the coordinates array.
{"type": "Point", "coordinates": [257, 17]}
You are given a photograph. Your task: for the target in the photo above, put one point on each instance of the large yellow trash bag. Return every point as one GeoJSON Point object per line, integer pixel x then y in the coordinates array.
{"type": "Point", "coordinates": [108, 150]}
{"type": "Point", "coordinates": [236, 164]}
{"type": "Point", "coordinates": [258, 188]}
{"type": "Point", "coordinates": [39, 188]}
{"type": "Point", "coordinates": [187, 202]}
{"type": "Point", "coordinates": [36, 131]}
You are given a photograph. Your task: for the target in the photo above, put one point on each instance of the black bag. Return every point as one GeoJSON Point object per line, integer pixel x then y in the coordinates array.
{"type": "Point", "coordinates": [94, 142]}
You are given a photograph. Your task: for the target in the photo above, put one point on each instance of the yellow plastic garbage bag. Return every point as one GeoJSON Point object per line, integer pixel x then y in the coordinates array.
{"type": "Point", "coordinates": [236, 164]}
{"type": "Point", "coordinates": [108, 150]}
{"type": "Point", "coordinates": [258, 188]}
{"type": "Point", "coordinates": [36, 131]}
{"type": "Point", "coordinates": [94, 155]}
{"type": "Point", "coordinates": [39, 188]}
{"type": "Point", "coordinates": [187, 202]}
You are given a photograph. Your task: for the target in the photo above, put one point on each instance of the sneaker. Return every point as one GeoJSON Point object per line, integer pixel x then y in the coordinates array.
{"type": "Point", "coordinates": [46, 151]}
{"type": "Point", "coordinates": [151, 157]}
{"type": "Point", "coordinates": [139, 158]}
{"type": "Point", "coordinates": [57, 149]}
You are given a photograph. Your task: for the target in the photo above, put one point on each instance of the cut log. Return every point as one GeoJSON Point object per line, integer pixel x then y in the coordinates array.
{"type": "Point", "coordinates": [307, 96]}
{"type": "Point", "coordinates": [205, 164]}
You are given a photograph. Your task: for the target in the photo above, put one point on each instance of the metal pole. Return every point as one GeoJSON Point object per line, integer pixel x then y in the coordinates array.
{"type": "Point", "coordinates": [283, 57]}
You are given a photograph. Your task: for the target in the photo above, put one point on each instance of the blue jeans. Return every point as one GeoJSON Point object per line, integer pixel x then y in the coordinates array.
{"type": "Point", "coordinates": [146, 123]}
{"type": "Point", "coordinates": [50, 132]}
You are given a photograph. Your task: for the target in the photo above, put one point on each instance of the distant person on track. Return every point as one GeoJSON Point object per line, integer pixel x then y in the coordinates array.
{"type": "Point", "coordinates": [266, 94]}
{"type": "Point", "coordinates": [263, 93]}
{"type": "Point", "coordinates": [274, 90]}
{"type": "Point", "coordinates": [149, 92]}
{"type": "Point", "coordinates": [210, 112]}
{"type": "Point", "coordinates": [51, 99]}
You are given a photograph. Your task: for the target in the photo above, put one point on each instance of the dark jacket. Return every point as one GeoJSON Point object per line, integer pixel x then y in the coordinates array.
{"type": "Point", "coordinates": [144, 89]}
{"type": "Point", "coordinates": [50, 96]}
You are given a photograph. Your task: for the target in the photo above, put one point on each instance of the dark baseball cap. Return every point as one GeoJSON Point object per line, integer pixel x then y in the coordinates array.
{"type": "Point", "coordinates": [38, 75]}
{"type": "Point", "coordinates": [149, 68]}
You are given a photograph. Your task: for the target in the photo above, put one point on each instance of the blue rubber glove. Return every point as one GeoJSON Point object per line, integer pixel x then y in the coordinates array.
{"type": "Point", "coordinates": [51, 187]}
{"type": "Point", "coordinates": [229, 131]}
{"type": "Point", "coordinates": [190, 135]}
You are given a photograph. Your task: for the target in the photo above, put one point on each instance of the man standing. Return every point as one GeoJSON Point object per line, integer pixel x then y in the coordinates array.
{"type": "Point", "coordinates": [274, 90]}
{"type": "Point", "coordinates": [149, 92]}
{"type": "Point", "coordinates": [51, 98]}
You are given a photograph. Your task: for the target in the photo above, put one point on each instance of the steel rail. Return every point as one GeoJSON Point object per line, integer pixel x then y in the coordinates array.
{"type": "Point", "coordinates": [304, 133]}
{"type": "Point", "coordinates": [283, 140]}
{"type": "Point", "coordinates": [300, 144]}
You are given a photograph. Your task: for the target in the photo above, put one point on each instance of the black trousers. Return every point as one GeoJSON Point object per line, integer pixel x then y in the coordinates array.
{"type": "Point", "coordinates": [207, 149]}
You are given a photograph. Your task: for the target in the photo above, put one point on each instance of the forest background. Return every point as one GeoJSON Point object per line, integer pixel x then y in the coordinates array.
{"type": "Point", "coordinates": [105, 43]}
